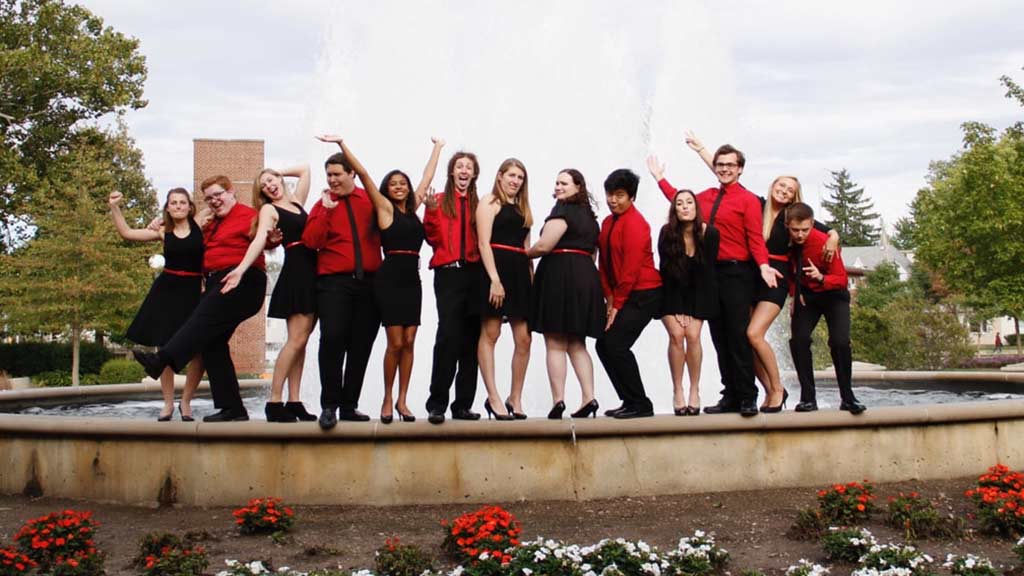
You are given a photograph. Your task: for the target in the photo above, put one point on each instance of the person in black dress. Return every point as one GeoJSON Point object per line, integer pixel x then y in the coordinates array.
{"type": "Point", "coordinates": [397, 287]}
{"type": "Point", "coordinates": [503, 221]}
{"type": "Point", "coordinates": [687, 250]}
{"type": "Point", "coordinates": [175, 292]}
{"type": "Point", "coordinates": [294, 296]}
{"type": "Point", "coordinates": [567, 305]}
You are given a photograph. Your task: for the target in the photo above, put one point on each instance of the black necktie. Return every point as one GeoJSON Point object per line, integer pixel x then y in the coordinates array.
{"type": "Point", "coordinates": [608, 253]}
{"type": "Point", "coordinates": [356, 246]}
{"type": "Point", "coordinates": [714, 207]}
{"type": "Point", "coordinates": [462, 229]}
{"type": "Point", "coordinates": [795, 255]}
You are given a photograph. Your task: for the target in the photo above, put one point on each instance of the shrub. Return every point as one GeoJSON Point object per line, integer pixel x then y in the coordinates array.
{"type": "Point", "coordinates": [14, 563]}
{"type": "Point", "coordinates": [31, 358]}
{"type": "Point", "coordinates": [121, 371]}
{"type": "Point", "coordinates": [61, 543]}
{"type": "Point", "coordinates": [847, 544]}
{"type": "Point", "coordinates": [62, 378]}
{"type": "Point", "coordinates": [697, 555]}
{"type": "Point", "coordinates": [970, 565]}
{"type": "Point", "coordinates": [809, 524]}
{"type": "Point", "coordinates": [893, 559]}
{"type": "Point", "coordinates": [806, 568]}
{"type": "Point", "coordinates": [490, 530]}
{"type": "Point", "coordinates": [999, 500]}
{"type": "Point", "coordinates": [913, 514]}
{"type": "Point", "coordinates": [993, 362]}
{"type": "Point", "coordinates": [397, 559]}
{"type": "Point", "coordinates": [163, 554]}
{"type": "Point", "coordinates": [264, 516]}
{"type": "Point", "coordinates": [546, 557]}
{"type": "Point", "coordinates": [846, 504]}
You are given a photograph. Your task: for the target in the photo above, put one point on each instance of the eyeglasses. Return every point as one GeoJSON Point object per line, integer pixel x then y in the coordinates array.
{"type": "Point", "coordinates": [213, 195]}
{"type": "Point", "coordinates": [729, 165]}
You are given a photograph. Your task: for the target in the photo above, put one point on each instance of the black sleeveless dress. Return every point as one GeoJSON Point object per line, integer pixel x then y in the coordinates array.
{"type": "Point", "coordinates": [512, 265]}
{"type": "Point", "coordinates": [295, 290]}
{"type": "Point", "coordinates": [396, 287]}
{"type": "Point", "coordinates": [567, 295]}
{"type": "Point", "coordinates": [175, 292]}
{"type": "Point", "coordinates": [690, 289]}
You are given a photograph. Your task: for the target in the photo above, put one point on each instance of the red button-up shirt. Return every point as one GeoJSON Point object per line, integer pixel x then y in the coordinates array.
{"type": "Point", "coordinates": [625, 243]}
{"type": "Point", "coordinates": [226, 239]}
{"type": "Point", "coordinates": [329, 232]}
{"type": "Point", "coordinates": [834, 272]}
{"type": "Point", "coordinates": [738, 221]}
{"type": "Point", "coordinates": [444, 236]}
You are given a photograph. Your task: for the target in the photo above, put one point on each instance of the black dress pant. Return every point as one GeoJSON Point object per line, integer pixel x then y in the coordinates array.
{"type": "Point", "coordinates": [457, 293]}
{"type": "Point", "coordinates": [834, 305]}
{"type": "Point", "coordinates": [209, 328]}
{"type": "Point", "coordinates": [614, 348]}
{"type": "Point", "coordinates": [736, 284]}
{"type": "Point", "coordinates": [349, 321]}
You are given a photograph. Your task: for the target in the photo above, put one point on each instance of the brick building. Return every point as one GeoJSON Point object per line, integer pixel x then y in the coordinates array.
{"type": "Point", "coordinates": [239, 160]}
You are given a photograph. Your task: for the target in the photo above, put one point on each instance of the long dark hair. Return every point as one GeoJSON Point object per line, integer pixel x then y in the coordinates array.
{"type": "Point", "coordinates": [448, 202]}
{"type": "Point", "coordinates": [410, 199]}
{"type": "Point", "coordinates": [168, 221]}
{"type": "Point", "coordinates": [671, 242]}
{"type": "Point", "coordinates": [583, 197]}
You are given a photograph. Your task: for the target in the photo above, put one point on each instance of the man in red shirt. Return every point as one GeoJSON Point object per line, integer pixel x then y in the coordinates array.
{"type": "Point", "coordinates": [819, 289]}
{"type": "Point", "coordinates": [209, 328]}
{"type": "Point", "coordinates": [632, 290]}
{"type": "Point", "coordinates": [342, 228]}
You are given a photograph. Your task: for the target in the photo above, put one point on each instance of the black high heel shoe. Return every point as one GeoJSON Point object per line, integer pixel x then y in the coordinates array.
{"type": "Point", "coordinates": [588, 409]}
{"type": "Point", "coordinates": [491, 412]}
{"type": "Point", "coordinates": [185, 417]}
{"type": "Point", "coordinates": [518, 415]}
{"type": "Point", "coordinates": [387, 418]}
{"type": "Point", "coordinates": [777, 409]}
{"type": "Point", "coordinates": [556, 411]}
{"type": "Point", "coordinates": [403, 416]}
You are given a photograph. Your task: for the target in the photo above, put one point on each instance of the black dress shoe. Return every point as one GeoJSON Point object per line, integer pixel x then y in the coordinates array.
{"type": "Point", "coordinates": [352, 415]}
{"type": "Point", "coordinates": [436, 417]}
{"type": "Point", "coordinates": [276, 412]}
{"type": "Point", "coordinates": [150, 362]}
{"type": "Point", "coordinates": [613, 411]}
{"type": "Point", "coordinates": [806, 407]}
{"type": "Point", "coordinates": [227, 415]}
{"type": "Point", "coordinates": [300, 412]}
{"type": "Point", "coordinates": [629, 413]}
{"type": "Point", "coordinates": [328, 419]}
{"type": "Point", "coordinates": [748, 409]}
{"type": "Point", "coordinates": [853, 407]}
{"type": "Point", "coordinates": [556, 411]}
{"type": "Point", "coordinates": [465, 414]}
{"type": "Point", "coordinates": [721, 408]}
{"type": "Point", "coordinates": [588, 409]}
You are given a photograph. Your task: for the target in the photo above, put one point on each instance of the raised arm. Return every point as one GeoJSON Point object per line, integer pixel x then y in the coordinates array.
{"type": "Point", "coordinates": [697, 146]}
{"type": "Point", "coordinates": [267, 220]}
{"type": "Point", "coordinates": [302, 186]}
{"type": "Point", "coordinates": [384, 208]}
{"type": "Point", "coordinates": [485, 213]}
{"type": "Point", "coordinates": [428, 171]}
{"type": "Point", "coordinates": [126, 232]}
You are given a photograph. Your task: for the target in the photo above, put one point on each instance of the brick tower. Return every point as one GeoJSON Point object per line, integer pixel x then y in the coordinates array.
{"type": "Point", "coordinates": [239, 160]}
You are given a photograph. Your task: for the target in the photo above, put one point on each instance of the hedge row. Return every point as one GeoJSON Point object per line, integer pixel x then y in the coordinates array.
{"type": "Point", "coordinates": [31, 358]}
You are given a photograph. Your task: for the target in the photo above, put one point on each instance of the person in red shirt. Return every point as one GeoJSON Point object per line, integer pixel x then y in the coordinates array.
{"type": "Point", "coordinates": [226, 303]}
{"type": "Point", "coordinates": [451, 230]}
{"type": "Point", "coordinates": [737, 214]}
{"type": "Point", "coordinates": [632, 290]}
{"type": "Point", "coordinates": [818, 289]}
{"type": "Point", "coordinates": [342, 228]}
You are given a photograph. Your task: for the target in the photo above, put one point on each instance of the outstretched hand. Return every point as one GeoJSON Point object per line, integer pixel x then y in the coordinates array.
{"type": "Point", "coordinates": [231, 281]}
{"type": "Point", "coordinates": [656, 168]}
{"type": "Point", "coordinates": [770, 275]}
{"type": "Point", "coordinates": [428, 198]}
{"type": "Point", "coordinates": [693, 142]}
{"type": "Point", "coordinates": [329, 138]}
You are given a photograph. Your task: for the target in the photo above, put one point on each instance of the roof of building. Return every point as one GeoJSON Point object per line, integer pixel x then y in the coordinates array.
{"type": "Point", "coordinates": [869, 257]}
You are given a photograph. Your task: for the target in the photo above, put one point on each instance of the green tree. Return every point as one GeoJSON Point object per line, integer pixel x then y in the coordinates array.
{"type": "Point", "coordinates": [76, 274]}
{"type": "Point", "coordinates": [903, 233]}
{"type": "Point", "coordinates": [851, 211]}
{"type": "Point", "coordinates": [60, 67]}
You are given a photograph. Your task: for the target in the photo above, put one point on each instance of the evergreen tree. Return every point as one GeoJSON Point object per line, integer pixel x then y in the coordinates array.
{"type": "Point", "coordinates": [851, 211]}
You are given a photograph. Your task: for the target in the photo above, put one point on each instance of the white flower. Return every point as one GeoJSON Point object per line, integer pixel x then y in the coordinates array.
{"type": "Point", "coordinates": [527, 571]}
{"type": "Point", "coordinates": [484, 555]}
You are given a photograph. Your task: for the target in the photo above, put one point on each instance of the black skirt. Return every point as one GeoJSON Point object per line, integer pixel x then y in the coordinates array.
{"type": "Point", "coordinates": [295, 291]}
{"type": "Point", "coordinates": [514, 272]}
{"type": "Point", "coordinates": [775, 295]}
{"type": "Point", "coordinates": [169, 303]}
{"type": "Point", "coordinates": [398, 290]}
{"type": "Point", "coordinates": [567, 297]}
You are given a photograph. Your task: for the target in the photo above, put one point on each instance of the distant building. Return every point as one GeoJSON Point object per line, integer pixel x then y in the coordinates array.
{"type": "Point", "coordinates": [860, 260]}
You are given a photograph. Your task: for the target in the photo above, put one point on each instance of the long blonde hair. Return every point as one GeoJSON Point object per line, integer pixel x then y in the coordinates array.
{"type": "Point", "coordinates": [522, 199]}
{"type": "Point", "coordinates": [766, 225]}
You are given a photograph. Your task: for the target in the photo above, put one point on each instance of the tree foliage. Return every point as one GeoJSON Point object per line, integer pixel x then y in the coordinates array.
{"type": "Point", "coordinates": [60, 67]}
{"type": "Point", "coordinates": [851, 211]}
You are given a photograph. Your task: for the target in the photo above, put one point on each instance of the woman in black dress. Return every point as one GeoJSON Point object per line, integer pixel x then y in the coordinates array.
{"type": "Point", "coordinates": [294, 296]}
{"type": "Point", "coordinates": [687, 250]}
{"type": "Point", "coordinates": [503, 221]}
{"type": "Point", "coordinates": [397, 288]}
{"type": "Point", "coordinates": [568, 304]}
{"type": "Point", "coordinates": [175, 292]}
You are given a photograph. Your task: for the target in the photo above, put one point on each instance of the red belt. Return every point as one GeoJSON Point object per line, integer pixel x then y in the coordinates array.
{"type": "Point", "coordinates": [181, 272]}
{"type": "Point", "coordinates": [517, 249]}
{"type": "Point", "coordinates": [405, 252]}
{"type": "Point", "coordinates": [571, 251]}
{"type": "Point", "coordinates": [293, 244]}
{"type": "Point", "coordinates": [779, 257]}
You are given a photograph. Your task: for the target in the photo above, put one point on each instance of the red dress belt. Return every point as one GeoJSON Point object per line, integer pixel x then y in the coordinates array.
{"type": "Point", "coordinates": [571, 251]}
{"type": "Point", "coordinates": [181, 272]}
{"type": "Point", "coordinates": [779, 257]}
{"type": "Point", "coordinates": [406, 252]}
{"type": "Point", "coordinates": [517, 249]}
